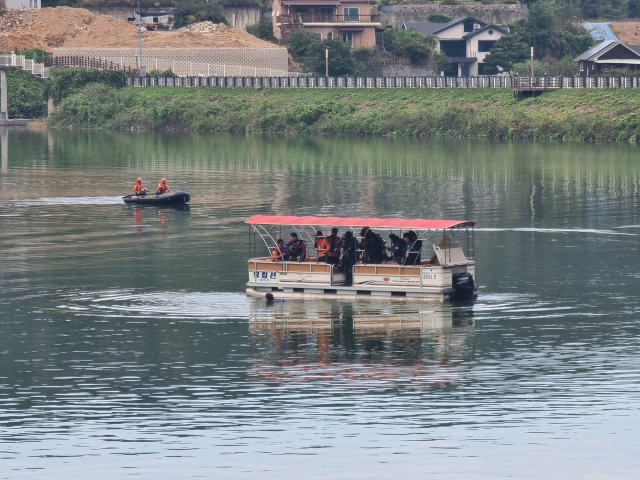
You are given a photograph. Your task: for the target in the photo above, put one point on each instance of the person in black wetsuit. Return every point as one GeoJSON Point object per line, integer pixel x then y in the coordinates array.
{"type": "Point", "coordinates": [398, 248]}
{"type": "Point", "coordinates": [297, 248]}
{"type": "Point", "coordinates": [412, 255]}
{"type": "Point", "coordinates": [348, 247]}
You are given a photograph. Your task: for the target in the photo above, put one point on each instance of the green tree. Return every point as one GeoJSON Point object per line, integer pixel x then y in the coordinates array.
{"type": "Point", "coordinates": [410, 44]}
{"type": "Point", "coordinates": [340, 58]}
{"type": "Point", "coordinates": [367, 62]}
{"type": "Point", "coordinates": [302, 43]}
{"type": "Point", "coordinates": [415, 45]}
{"type": "Point", "coordinates": [437, 17]}
{"type": "Point", "coordinates": [509, 49]}
{"type": "Point", "coordinates": [442, 63]}
{"type": "Point", "coordinates": [262, 29]}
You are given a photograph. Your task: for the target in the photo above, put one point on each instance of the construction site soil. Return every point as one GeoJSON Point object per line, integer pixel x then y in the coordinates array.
{"type": "Point", "coordinates": [51, 28]}
{"type": "Point", "coordinates": [628, 32]}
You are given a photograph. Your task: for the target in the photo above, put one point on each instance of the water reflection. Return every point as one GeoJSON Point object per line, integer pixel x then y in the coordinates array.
{"type": "Point", "coordinates": [358, 344]}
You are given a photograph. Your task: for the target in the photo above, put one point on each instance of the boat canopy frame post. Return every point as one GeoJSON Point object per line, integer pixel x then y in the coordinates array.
{"type": "Point", "coordinates": [257, 228]}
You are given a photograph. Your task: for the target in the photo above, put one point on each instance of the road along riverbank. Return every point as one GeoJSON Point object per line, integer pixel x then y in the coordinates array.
{"type": "Point", "coordinates": [584, 114]}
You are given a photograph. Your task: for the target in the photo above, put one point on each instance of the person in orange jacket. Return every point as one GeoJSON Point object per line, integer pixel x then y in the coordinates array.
{"type": "Point", "coordinates": [279, 254]}
{"type": "Point", "coordinates": [163, 187]}
{"type": "Point", "coordinates": [139, 188]}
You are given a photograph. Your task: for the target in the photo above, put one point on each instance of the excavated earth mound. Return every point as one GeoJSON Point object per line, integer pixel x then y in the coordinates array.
{"type": "Point", "coordinates": [77, 27]}
{"type": "Point", "coordinates": [628, 33]}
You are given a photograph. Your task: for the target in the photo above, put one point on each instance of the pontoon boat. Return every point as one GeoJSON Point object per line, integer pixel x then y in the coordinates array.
{"type": "Point", "coordinates": [446, 270]}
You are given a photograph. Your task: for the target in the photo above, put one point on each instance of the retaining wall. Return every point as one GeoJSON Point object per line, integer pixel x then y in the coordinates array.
{"type": "Point", "coordinates": [188, 61]}
{"type": "Point", "coordinates": [499, 14]}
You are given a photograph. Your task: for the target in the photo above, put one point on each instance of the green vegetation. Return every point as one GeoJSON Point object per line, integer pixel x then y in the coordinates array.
{"type": "Point", "coordinates": [262, 29]}
{"type": "Point", "coordinates": [437, 17]}
{"type": "Point", "coordinates": [564, 114]}
{"type": "Point", "coordinates": [307, 48]}
{"type": "Point", "coordinates": [411, 44]}
{"type": "Point", "coordinates": [552, 28]}
{"type": "Point", "coordinates": [67, 81]}
{"type": "Point", "coordinates": [305, 45]}
{"type": "Point", "coordinates": [26, 95]}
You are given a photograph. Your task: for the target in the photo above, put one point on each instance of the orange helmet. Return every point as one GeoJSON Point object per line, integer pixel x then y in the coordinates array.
{"type": "Point", "coordinates": [139, 180]}
{"type": "Point", "coordinates": [164, 180]}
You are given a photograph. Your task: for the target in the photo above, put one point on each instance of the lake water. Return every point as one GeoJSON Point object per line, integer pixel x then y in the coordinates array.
{"type": "Point", "coordinates": [128, 347]}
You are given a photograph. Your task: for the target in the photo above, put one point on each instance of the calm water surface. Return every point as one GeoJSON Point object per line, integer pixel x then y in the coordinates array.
{"type": "Point", "coordinates": [128, 348]}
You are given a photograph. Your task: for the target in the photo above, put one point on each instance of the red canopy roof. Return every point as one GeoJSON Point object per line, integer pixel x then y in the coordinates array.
{"type": "Point", "coordinates": [416, 224]}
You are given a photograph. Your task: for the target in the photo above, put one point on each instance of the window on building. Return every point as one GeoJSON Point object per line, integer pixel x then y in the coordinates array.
{"type": "Point", "coordinates": [326, 14]}
{"type": "Point", "coordinates": [300, 14]}
{"type": "Point", "coordinates": [485, 45]}
{"type": "Point", "coordinates": [582, 66]}
{"type": "Point", "coordinates": [468, 26]}
{"type": "Point", "coordinates": [481, 69]}
{"type": "Point", "coordinates": [330, 35]}
{"type": "Point", "coordinates": [347, 37]}
{"type": "Point", "coordinates": [351, 14]}
{"type": "Point", "coordinates": [318, 34]}
{"type": "Point", "coordinates": [454, 48]}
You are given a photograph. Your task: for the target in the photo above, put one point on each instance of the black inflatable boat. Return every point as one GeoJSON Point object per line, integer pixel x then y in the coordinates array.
{"type": "Point", "coordinates": [171, 198]}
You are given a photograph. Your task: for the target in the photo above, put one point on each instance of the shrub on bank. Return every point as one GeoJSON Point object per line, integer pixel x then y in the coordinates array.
{"type": "Point", "coordinates": [26, 95]}
{"type": "Point", "coordinates": [566, 114]}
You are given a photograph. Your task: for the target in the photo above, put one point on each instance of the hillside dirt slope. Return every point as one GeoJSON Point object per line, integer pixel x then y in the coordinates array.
{"type": "Point", "coordinates": [628, 32]}
{"type": "Point", "coordinates": [76, 27]}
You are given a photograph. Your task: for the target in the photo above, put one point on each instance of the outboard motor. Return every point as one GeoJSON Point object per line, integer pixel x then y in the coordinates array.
{"type": "Point", "coordinates": [463, 286]}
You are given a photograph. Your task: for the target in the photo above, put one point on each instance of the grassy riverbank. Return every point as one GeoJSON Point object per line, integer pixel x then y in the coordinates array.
{"type": "Point", "coordinates": [606, 114]}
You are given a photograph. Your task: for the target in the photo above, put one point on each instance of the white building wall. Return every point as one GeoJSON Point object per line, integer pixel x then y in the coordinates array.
{"type": "Point", "coordinates": [23, 4]}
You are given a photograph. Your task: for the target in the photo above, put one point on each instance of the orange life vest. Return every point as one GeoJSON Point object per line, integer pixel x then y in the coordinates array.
{"type": "Point", "coordinates": [138, 187]}
{"type": "Point", "coordinates": [163, 187]}
{"type": "Point", "coordinates": [321, 245]}
{"type": "Point", "coordinates": [276, 254]}
{"type": "Point", "coordinates": [333, 244]}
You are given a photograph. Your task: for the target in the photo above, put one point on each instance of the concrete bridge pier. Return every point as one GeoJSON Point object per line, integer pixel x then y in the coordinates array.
{"type": "Point", "coordinates": [5, 150]}
{"type": "Point", "coordinates": [4, 113]}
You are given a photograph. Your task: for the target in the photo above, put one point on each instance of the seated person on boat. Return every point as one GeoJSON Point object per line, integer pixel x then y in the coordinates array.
{"type": "Point", "coordinates": [413, 248]}
{"type": "Point", "coordinates": [398, 249]}
{"type": "Point", "coordinates": [297, 248]}
{"type": "Point", "coordinates": [320, 243]}
{"type": "Point", "coordinates": [279, 253]}
{"type": "Point", "coordinates": [163, 187]}
{"type": "Point", "coordinates": [333, 247]}
{"type": "Point", "coordinates": [372, 246]}
{"type": "Point", "coordinates": [139, 189]}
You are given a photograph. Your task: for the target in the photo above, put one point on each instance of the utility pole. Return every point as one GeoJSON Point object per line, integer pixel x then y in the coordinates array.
{"type": "Point", "coordinates": [138, 21]}
{"type": "Point", "coordinates": [532, 70]}
{"type": "Point", "coordinates": [326, 57]}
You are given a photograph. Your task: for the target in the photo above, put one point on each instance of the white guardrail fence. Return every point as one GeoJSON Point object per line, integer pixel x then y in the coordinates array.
{"type": "Point", "coordinates": [540, 83]}
{"type": "Point", "coordinates": [25, 64]}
